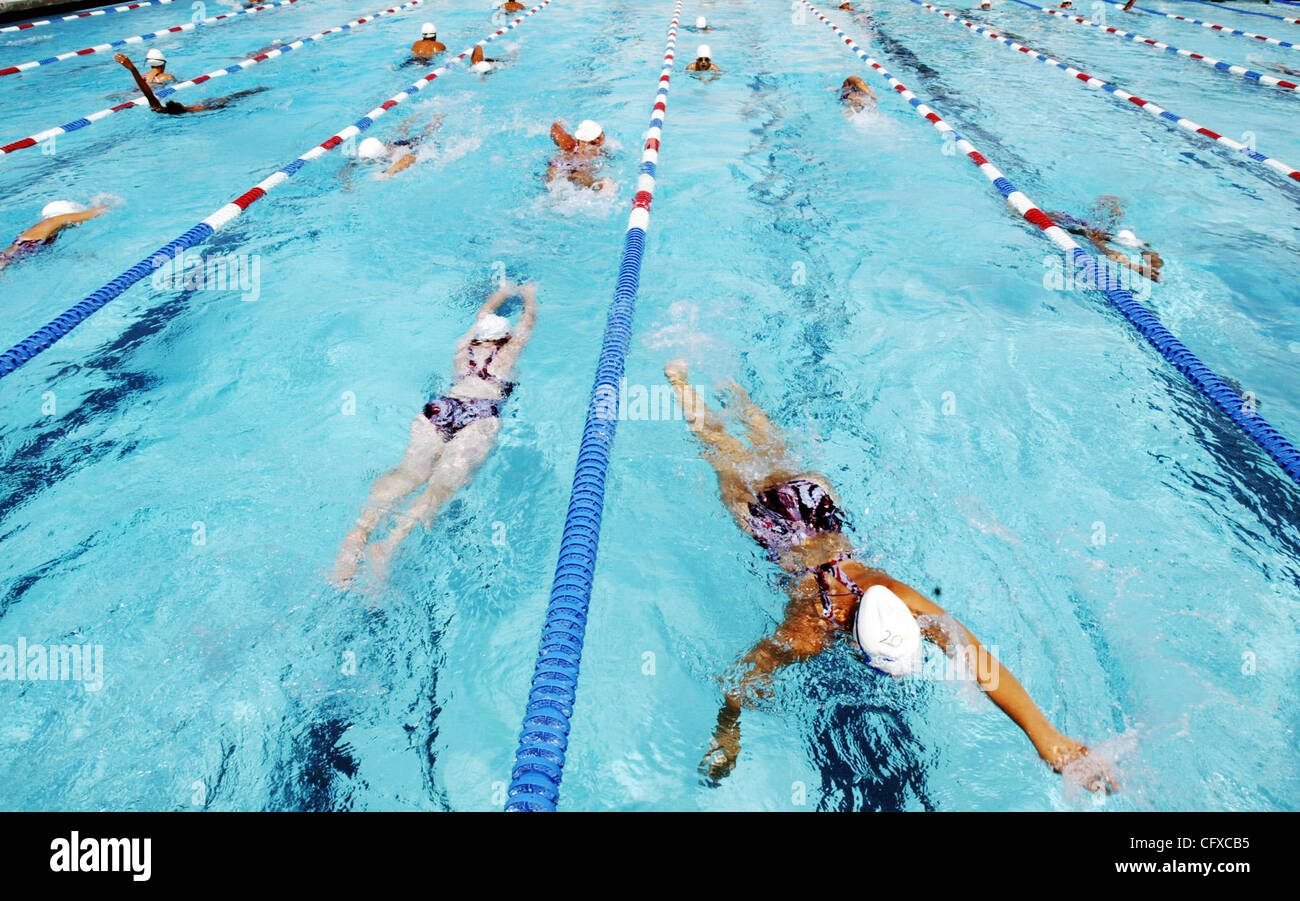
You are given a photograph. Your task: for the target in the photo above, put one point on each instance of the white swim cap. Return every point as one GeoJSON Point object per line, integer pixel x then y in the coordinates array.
{"type": "Point", "coordinates": [490, 328]}
{"type": "Point", "coordinates": [703, 52]}
{"type": "Point", "coordinates": [60, 208]}
{"type": "Point", "coordinates": [887, 632]}
{"type": "Point", "coordinates": [588, 130]}
{"type": "Point", "coordinates": [481, 67]}
{"type": "Point", "coordinates": [155, 57]}
{"type": "Point", "coordinates": [1127, 238]}
{"type": "Point", "coordinates": [428, 30]}
{"type": "Point", "coordinates": [372, 149]}
{"type": "Point", "coordinates": [701, 22]}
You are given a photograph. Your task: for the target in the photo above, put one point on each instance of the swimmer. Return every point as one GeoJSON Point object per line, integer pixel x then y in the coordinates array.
{"type": "Point", "coordinates": [1101, 227]}
{"type": "Point", "coordinates": [1276, 67]}
{"type": "Point", "coordinates": [1066, 4]}
{"type": "Point", "coordinates": [986, 4]}
{"type": "Point", "coordinates": [55, 217]}
{"type": "Point", "coordinates": [847, 6]}
{"type": "Point", "coordinates": [701, 24]}
{"type": "Point", "coordinates": [794, 515]}
{"type": "Point", "coordinates": [580, 155]}
{"type": "Point", "coordinates": [172, 107]}
{"type": "Point", "coordinates": [428, 46]}
{"type": "Point", "coordinates": [856, 95]}
{"type": "Point", "coordinates": [401, 153]}
{"type": "Point", "coordinates": [704, 62]}
{"type": "Point", "coordinates": [157, 73]}
{"type": "Point", "coordinates": [480, 63]}
{"type": "Point", "coordinates": [512, 7]}
{"type": "Point", "coordinates": [450, 438]}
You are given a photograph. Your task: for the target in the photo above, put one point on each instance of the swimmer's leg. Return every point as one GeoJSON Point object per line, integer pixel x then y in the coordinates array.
{"type": "Point", "coordinates": [767, 439]}
{"type": "Point", "coordinates": [462, 456]}
{"type": "Point", "coordinates": [735, 464]}
{"type": "Point", "coordinates": [422, 454]}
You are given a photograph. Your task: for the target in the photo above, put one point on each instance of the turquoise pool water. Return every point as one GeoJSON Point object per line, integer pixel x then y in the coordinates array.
{"type": "Point", "coordinates": [179, 471]}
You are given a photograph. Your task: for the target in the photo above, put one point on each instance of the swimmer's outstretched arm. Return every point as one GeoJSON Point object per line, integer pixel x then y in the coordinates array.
{"type": "Point", "coordinates": [998, 683]}
{"type": "Point", "coordinates": [140, 83]}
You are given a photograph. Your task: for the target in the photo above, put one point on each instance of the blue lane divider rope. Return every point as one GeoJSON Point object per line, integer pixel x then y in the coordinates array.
{"type": "Point", "coordinates": [539, 759]}
{"type": "Point", "coordinates": [1229, 402]}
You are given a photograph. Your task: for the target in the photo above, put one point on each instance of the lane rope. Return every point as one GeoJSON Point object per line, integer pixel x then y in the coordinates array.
{"type": "Point", "coordinates": [544, 737]}
{"type": "Point", "coordinates": [102, 11]}
{"type": "Point", "coordinates": [136, 39]}
{"type": "Point", "coordinates": [163, 93]}
{"type": "Point", "coordinates": [1216, 64]}
{"type": "Point", "coordinates": [1226, 29]}
{"type": "Point", "coordinates": [1247, 12]}
{"type": "Point", "coordinates": [1219, 393]}
{"type": "Point", "coordinates": [1147, 106]}
{"type": "Point", "coordinates": [45, 337]}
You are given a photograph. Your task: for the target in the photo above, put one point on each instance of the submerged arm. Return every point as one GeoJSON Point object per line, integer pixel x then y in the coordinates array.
{"type": "Point", "coordinates": [796, 639]}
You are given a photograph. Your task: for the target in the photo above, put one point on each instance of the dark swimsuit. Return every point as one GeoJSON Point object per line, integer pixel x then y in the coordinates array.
{"type": "Point", "coordinates": [450, 414]}
{"type": "Point", "coordinates": [22, 247]}
{"type": "Point", "coordinates": [788, 514]}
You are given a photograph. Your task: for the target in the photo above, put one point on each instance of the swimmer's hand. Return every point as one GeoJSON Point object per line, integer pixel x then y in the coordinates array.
{"type": "Point", "coordinates": [725, 750]}
{"type": "Point", "coordinates": [123, 59]}
{"type": "Point", "coordinates": [1075, 761]}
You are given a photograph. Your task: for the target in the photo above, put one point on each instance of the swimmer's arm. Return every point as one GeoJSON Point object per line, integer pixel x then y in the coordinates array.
{"type": "Point", "coordinates": [790, 643]}
{"type": "Point", "coordinates": [139, 81]}
{"type": "Point", "coordinates": [405, 162]}
{"type": "Point", "coordinates": [996, 681]}
{"type": "Point", "coordinates": [527, 319]}
{"type": "Point", "coordinates": [562, 138]}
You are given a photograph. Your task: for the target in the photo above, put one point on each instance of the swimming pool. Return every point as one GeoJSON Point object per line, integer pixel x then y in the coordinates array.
{"type": "Point", "coordinates": [180, 469]}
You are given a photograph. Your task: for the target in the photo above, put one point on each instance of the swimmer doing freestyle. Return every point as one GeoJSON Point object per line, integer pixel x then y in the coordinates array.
{"type": "Point", "coordinates": [794, 515]}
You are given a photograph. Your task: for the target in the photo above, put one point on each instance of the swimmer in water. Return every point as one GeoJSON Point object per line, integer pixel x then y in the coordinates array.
{"type": "Point", "coordinates": [173, 108]}
{"type": "Point", "coordinates": [986, 4]}
{"type": "Point", "coordinates": [847, 6]}
{"type": "Point", "coordinates": [1066, 4]}
{"type": "Point", "coordinates": [480, 63]}
{"type": "Point", "coordinates": [401, 153]}
{"type": "Point", "coordinates": [704, 62]}
{"type": "Point", "coordinates": [856, 95]}
{"type": "Point", "coordinates": [701, 24]}
{"type": "Point", "coordinates": [157, 73]}
{"type": "Point", "coordinates": [1101, 227]}
{"type": "Point", "coordinates": [794, 515]}
{"type": "Point", "coordinates": [580, 155]}
{"type": "Point", "coordinates": [450, 438]}
{"type": "Point", "coordinates": [55, 217]}
{"type": "Point", "coordinates": [512, 7]}
{"type": "Point", "coordinates": [428, 46]}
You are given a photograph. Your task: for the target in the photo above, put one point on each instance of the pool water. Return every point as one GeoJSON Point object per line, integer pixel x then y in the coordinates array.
{"type": "Point", "coordinates": [180, 470]}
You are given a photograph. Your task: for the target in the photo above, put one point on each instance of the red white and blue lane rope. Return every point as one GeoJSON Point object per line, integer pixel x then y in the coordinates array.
{"type": "Point", "coordinates": [76, 124]}
{"type": "Point", "coordinates": [1219, 393]}
{"type": "Point", "coordinates": [102, 11]}
{"type": "Point", "coordinates": [1216, 64]}
{"type": "Point", "coordinates": [1226, 29]}
{"type": "Point", "coordinates": [1147, 106]}
{"type": "Point", "coordinates": [1247, 12]}
{"type": "Point", "coordinates": [136, 39]}
{"type": "Point", "coordinates": [43, 338]}
{"type": "Point", "coordinates": [539, 759]}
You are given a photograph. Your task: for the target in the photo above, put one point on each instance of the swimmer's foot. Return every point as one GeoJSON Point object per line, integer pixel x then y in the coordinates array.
{"type": "Point", "coordinates": [678, 371]}
{"type": "Point", "coordinates": [349, 559]}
